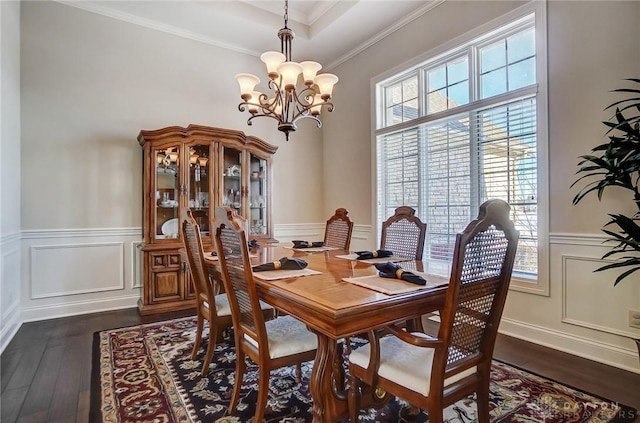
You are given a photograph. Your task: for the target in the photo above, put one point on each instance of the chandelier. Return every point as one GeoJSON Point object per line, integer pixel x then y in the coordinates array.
{"type": "Point", "coordinates": [287, 103]}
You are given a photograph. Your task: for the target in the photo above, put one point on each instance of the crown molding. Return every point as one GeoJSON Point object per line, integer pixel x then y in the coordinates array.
{"type": "Point", "coordinates": [390, 30]}
{"type": "Point", "coordinates": [152, 24]}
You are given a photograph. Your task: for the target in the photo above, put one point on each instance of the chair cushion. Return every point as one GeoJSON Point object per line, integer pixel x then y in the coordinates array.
{"type": "Point", "coordinates": [287, 336]}
{"type": "Point", "coordinates": [265, 306]}
{"type": "Point", "coordinates": [405, 364]}
{"type": "Point", "coordinates": [222, 305]}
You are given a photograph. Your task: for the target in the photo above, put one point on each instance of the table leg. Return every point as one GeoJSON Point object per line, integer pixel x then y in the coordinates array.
{"type": "Point", "coordinates": [328, 405]}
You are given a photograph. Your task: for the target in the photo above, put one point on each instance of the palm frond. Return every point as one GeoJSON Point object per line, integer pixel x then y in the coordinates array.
{"type": "Point", "coordinates": [616, 163]}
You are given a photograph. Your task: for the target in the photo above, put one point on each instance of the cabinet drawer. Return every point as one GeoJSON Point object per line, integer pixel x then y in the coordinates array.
{"type": "Point", "coordinates": [165, 261]}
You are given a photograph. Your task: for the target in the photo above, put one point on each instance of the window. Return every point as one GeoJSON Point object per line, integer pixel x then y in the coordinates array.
{"type": "Point", "coordinates": [462, 127]}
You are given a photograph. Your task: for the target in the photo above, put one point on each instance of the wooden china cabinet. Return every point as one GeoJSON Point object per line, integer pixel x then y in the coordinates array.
{"type": "Point", "coordinates": [197, 168]}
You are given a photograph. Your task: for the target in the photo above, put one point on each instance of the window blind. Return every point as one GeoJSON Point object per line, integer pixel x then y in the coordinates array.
{"type": "Point", "coordinates": [445, 169]}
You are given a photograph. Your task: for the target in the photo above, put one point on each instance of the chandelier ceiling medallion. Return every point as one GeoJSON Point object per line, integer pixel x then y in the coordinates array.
{"type": "Point", "coordinates": [287, 103]}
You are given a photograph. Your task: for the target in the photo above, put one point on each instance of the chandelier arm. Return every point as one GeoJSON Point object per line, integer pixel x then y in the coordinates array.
{"type": "Point", "coordinates": [304, 102]}
{"type": "Point", "coordinates": [262, 115]}
{"type": "Point", "coordinates": [307, 93]}
{"type": "Point", "coordinates": [317, 119]}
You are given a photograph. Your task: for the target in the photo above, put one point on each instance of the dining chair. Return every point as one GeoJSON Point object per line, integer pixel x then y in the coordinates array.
{"type": "Point", "coordinates": [434, 372]}
{"type": "Point", "coordinates": [404, 234]}
{"type": "Point", "coordinates": [338, 230]}
{"type": "Point", "coordinates": [282, 341]}
{"type": "Point", "coordinates": [211, 305]}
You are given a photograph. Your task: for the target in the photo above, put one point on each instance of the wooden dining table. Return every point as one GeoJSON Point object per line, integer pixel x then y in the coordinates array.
{"type": "Point", "coordinates": [334, 309]}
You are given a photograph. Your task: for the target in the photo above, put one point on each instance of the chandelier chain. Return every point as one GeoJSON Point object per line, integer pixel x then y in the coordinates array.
{"type": "Point", "coordinates": [286, 13]}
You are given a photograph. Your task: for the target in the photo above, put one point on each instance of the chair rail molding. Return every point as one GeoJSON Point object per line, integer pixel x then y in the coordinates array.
{"type": "Point", "coordinates": [577, 239]}
{"type": "Point", "coordinates": [89, 232]}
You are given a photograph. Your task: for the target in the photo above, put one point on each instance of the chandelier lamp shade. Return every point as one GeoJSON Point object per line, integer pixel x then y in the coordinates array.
{"type": "Point", "coordinates": [286, 100]}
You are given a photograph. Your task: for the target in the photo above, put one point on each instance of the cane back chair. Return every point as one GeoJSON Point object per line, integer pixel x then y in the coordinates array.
{"type": "Point", "coordinates": [283, 341]}
{"type": "Point", "coordinates": [210, 304]}
{"type": "Point", "coordinates": [338, 230]}
{"type": "Point", "coordinates": [434, 372]}
{"type": "Point", "coordinates": [404, 234]}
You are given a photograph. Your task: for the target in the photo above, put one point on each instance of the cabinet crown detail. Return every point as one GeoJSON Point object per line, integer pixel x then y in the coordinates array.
{"type": "Point", "coordinates": [200, 131]}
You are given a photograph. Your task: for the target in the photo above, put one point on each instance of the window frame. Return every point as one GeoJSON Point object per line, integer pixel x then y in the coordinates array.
{"type": "Point", "coordinates": [480, 36]}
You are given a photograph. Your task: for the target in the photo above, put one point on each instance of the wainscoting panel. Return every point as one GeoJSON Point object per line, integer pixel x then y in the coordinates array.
{"type": "Point", "coordinates": [581, 307]}
{"type": "Point", "coordinates": [76, 271]}
{"type": "Point", "coordinates": [69, 269]}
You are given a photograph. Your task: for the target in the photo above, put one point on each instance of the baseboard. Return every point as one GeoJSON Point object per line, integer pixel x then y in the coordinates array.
{"type": "Point", "coordinates": [612, 355]}
{"type": "Point", "coordinates": [45, 312]}
{"type": "Point", "coordinates": [11, 323]}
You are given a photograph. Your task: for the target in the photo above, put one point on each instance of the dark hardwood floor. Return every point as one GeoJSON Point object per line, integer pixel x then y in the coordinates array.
{"type": "Point", "coordinates": [46, 369]}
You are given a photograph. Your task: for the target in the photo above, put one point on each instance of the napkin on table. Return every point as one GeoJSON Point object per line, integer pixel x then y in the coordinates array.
{"type": "Point", "coordinates": [307, 244]}
{"type": "Point", "coordinates": [366, 255]}
{"type": "Point", "coordinates": [283, 264]}
{"type": "Point", "coordinates": [394, 271]}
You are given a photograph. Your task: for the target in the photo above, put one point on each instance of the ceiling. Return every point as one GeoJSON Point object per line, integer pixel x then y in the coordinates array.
{"type": "Point", "coordinates": [327, 31]}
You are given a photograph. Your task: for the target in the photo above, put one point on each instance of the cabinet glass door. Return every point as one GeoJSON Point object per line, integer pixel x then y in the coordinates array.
{"type": "Point", "coordinates": [199, 185]}
{"type": "Point", "coordinates": [232, 177]}
{"type": "Point", "coordinates": [167, 186]}
{"type": "Point", "coordinates": [258, 196]}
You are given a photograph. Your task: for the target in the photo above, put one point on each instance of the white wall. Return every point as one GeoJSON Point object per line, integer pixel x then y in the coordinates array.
{"type": "Point", "coordinates": [592, 46]}
{"type": "Point", "coordinates": [9, 170]}
{"type": "Point", "coordinates": [90, 83]}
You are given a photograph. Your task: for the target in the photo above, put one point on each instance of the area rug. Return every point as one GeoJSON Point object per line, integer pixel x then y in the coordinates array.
{"type": "Point", "coordinates": [145, 374]}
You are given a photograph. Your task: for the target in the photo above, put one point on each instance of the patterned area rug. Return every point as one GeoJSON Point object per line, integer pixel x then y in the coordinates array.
{"type": "Point", "coordinates": [145, 374]}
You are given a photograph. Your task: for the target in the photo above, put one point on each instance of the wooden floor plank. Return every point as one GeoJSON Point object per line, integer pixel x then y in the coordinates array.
{"type": "Point", "coordinates": [43, 385]}
{"type": "Point", "coordinates": [11, 403]}
{"type": "Point", "coordinates": [64, 403]}
{"type": "Point", "coordinates": [39, 417]}
{"type": "Point", "coordinates": [10, 360]}
{"type": "Point", "coordinates": [84, 406]}
{"type": "Point", "coordinates": [25, 370]}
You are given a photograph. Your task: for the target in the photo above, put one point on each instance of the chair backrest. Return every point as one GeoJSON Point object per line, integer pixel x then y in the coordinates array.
{"type": "Point", "coordinates": [237, 275]}
{"type": "Point", "coordinates": [404, 234]}
{"type": "Point", "coordinates": [483, 261]}
{"type": "Point", "coordinates": [338, 231]}
{"type": "Point", "coordinates": [195, 256]}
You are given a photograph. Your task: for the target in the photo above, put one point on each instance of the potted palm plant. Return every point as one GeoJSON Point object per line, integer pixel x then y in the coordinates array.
{"type": "Point", "coordinates": [616, 163]}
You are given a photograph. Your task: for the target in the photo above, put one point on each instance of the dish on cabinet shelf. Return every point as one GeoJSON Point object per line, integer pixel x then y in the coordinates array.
{"type": "Point", "coordinates": [169, 203]}
{"type": "Point", "coordinates": [170, 228]}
